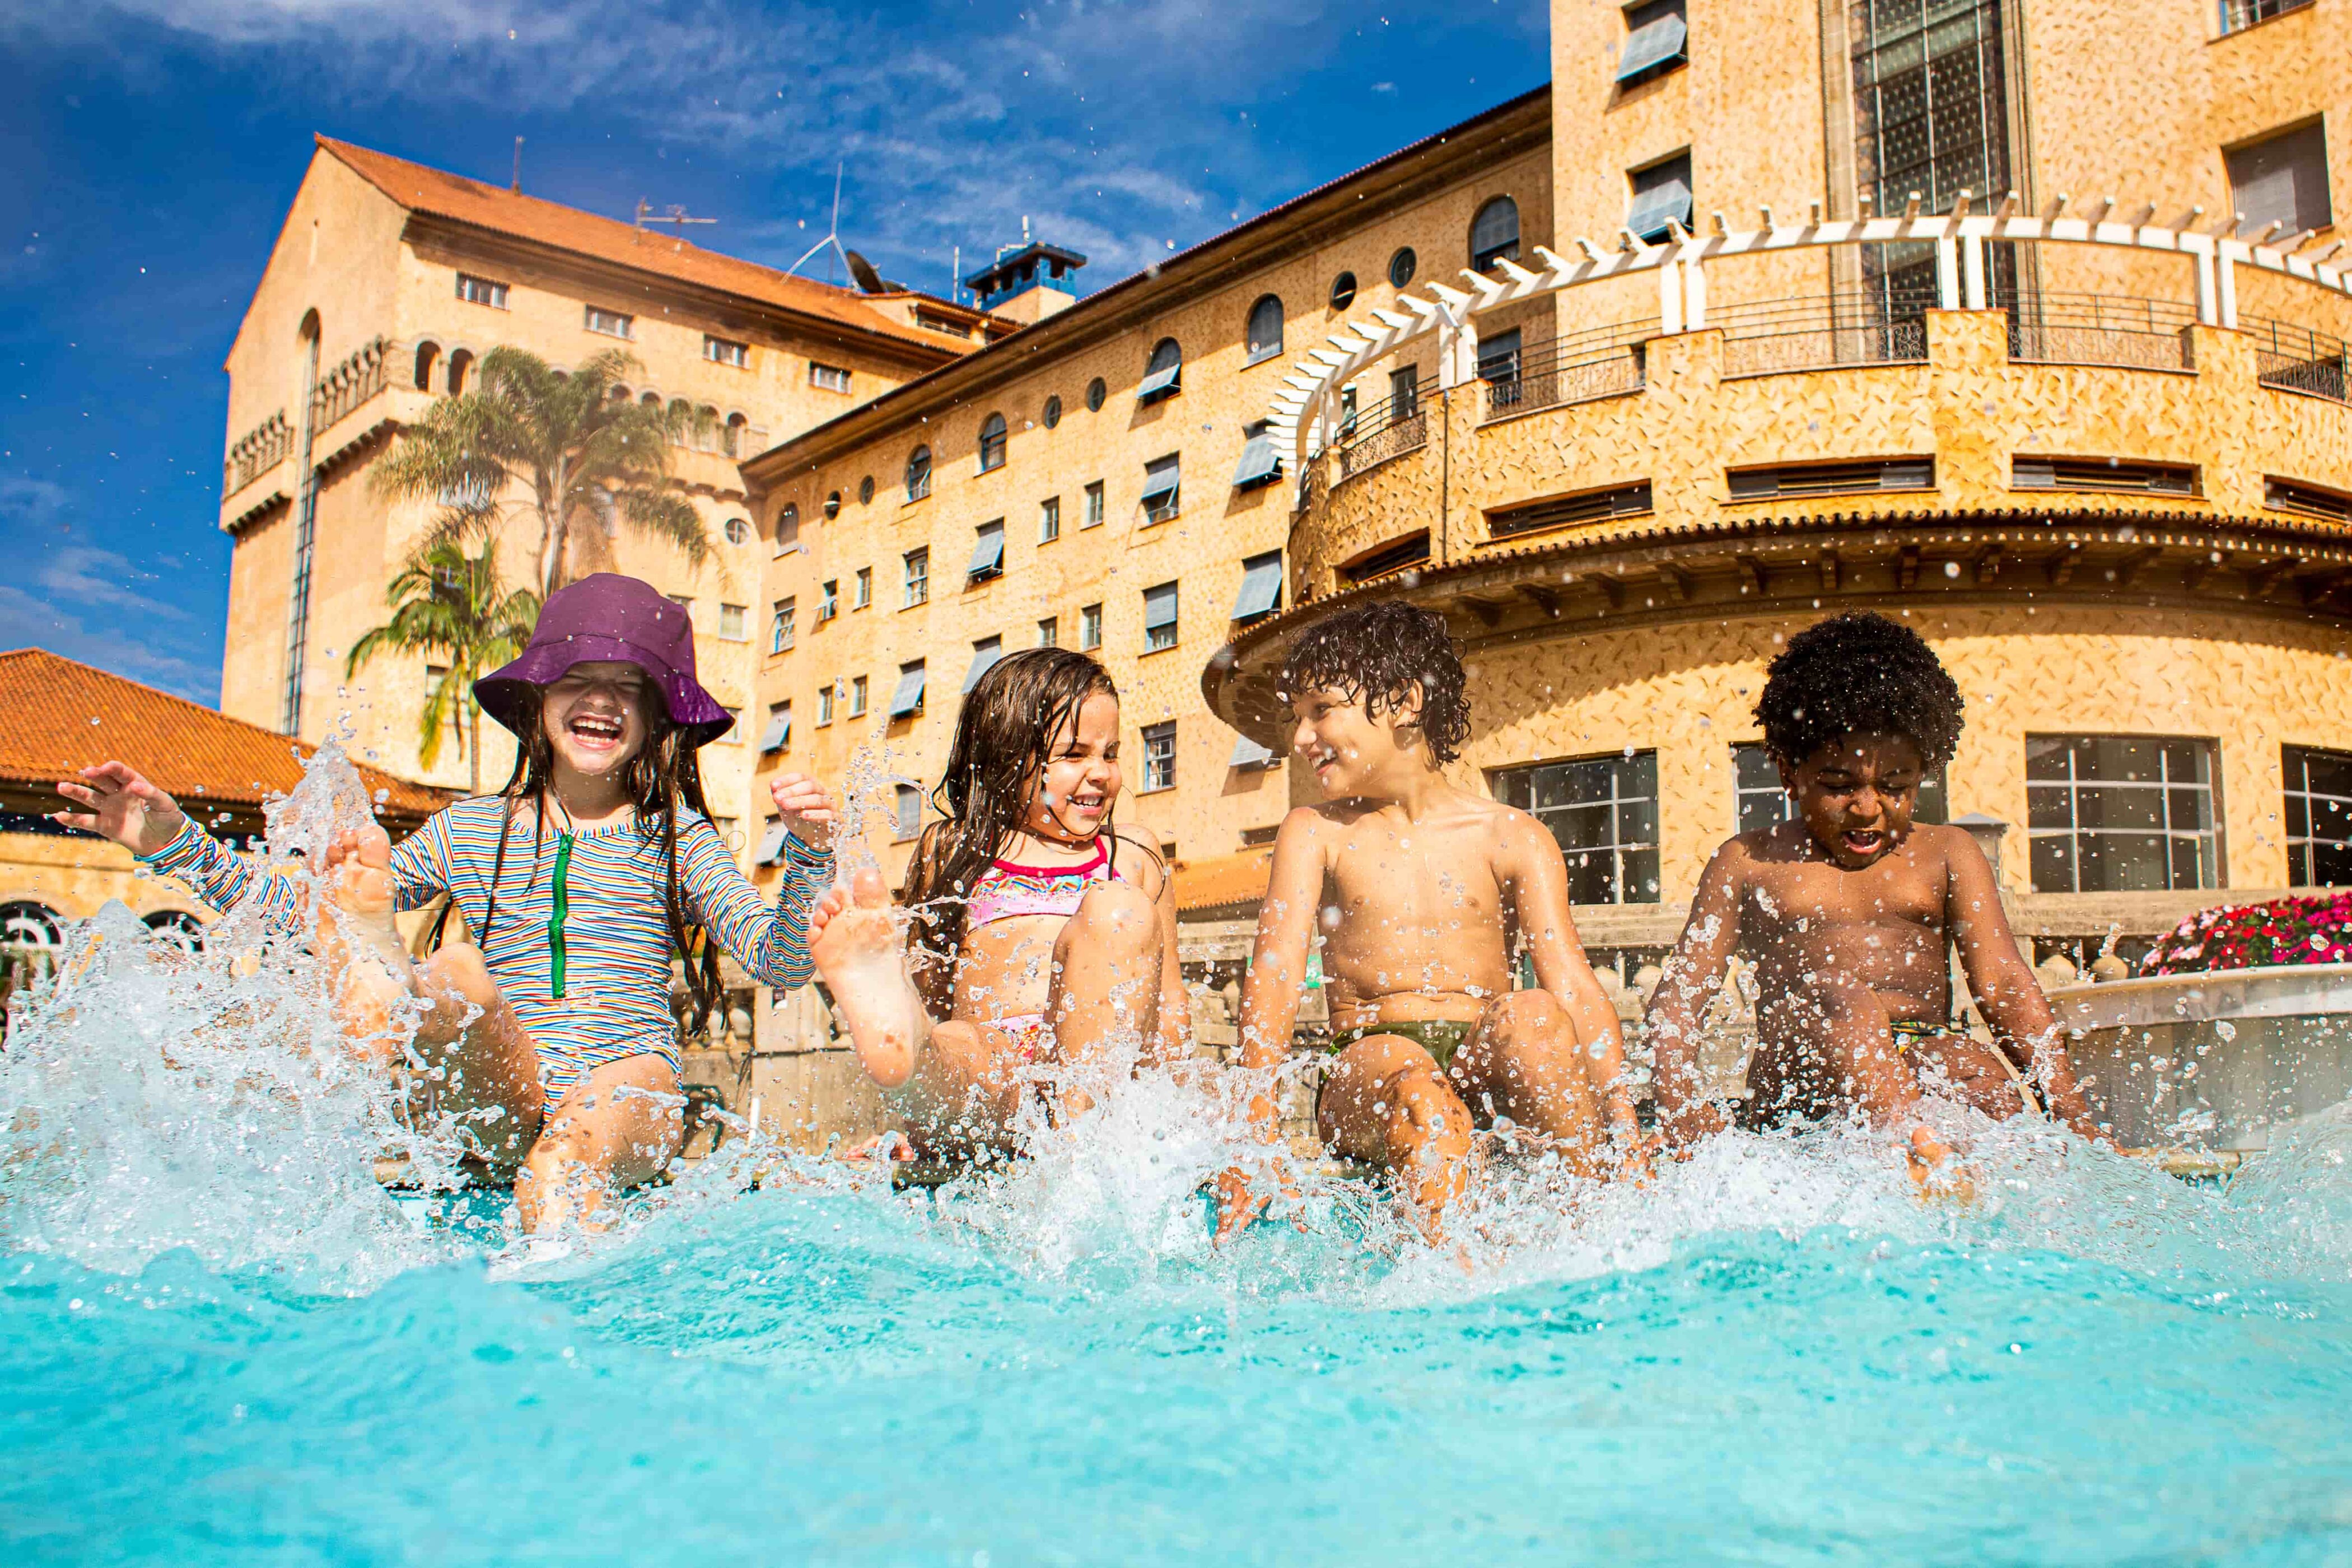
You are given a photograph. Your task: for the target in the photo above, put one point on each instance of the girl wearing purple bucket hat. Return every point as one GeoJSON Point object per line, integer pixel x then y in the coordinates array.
{"type": "Point", "coordinates": [579, 881]}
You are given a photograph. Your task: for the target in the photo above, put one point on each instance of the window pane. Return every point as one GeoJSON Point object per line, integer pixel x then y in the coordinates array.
{"type": "Point", "coordinates": [2048, 805]}
{"type": "Point", "coordinates": [2330, 866]}
{"type": "Point", "coordinates": [2097, 807]}
{"type": "Point", "coordinates": [1752, 768]}
{"type": "Point", "coordinates": [2054, 863]}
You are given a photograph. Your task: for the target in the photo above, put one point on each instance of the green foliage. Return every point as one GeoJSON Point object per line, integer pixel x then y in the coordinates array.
{"type": "Point", "coordinates": [448, 604]}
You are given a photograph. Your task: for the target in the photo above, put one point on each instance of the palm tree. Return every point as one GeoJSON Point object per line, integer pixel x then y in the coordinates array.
{"type": "Point", "coordinates": [448, 603]}
{"type": "Point", "coordinates": [593, 460]}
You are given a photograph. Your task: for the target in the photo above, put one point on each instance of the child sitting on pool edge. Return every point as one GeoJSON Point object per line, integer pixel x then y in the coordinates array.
{"type": "Point", "coordinates": [1041, 936]}
{"type": "Point", "coordinates": [1847, 911]}
{"type": "Point", "coordinates": [1423, 892]}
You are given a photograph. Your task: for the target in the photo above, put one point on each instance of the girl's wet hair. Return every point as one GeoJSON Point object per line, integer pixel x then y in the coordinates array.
{"type": "Point", "coordinates": [1005, 736]}
{"type": "Point", "coordinates": [1379, 652]}
{"type": "Point", "coordinates": [663, 778]}
{"type": "Point", "coordinates": [1859, 674]}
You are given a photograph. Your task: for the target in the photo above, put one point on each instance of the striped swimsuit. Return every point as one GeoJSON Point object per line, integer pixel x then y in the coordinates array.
{"type": "Point", "coordinates": [580, 946]}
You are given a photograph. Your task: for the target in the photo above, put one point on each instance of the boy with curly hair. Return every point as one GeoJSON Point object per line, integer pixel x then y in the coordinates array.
{"type": "Point", "coordinates": [1422, 891]}
{"type": "Point", "coordinates": [1847, 911]}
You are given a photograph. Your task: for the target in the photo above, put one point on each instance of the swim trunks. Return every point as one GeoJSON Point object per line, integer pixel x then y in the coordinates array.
{"type": "Point", "coordinates": [1441, 1037]}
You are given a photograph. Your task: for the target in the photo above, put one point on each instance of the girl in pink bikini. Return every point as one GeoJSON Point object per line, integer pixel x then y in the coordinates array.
{"type": "Point", "coordinates": [1040, 935]}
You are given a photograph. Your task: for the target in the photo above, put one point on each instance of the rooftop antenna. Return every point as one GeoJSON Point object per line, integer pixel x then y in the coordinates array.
{"type": "Point", "coordinates": [517, 187]}
{"type": "Point", "coordinates": [646, 214]}
{"type": "Point", "coordinates": [831, 235]}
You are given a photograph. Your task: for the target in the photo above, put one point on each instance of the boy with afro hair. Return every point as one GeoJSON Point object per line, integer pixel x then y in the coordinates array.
{"type": "Point", "coordinates": [1423, 893]}
{"type": "Point", "coordinates": [1847, 911]}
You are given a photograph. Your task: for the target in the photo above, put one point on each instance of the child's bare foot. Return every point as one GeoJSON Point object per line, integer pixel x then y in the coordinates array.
{"type": "Point", "coordinates": [1935, 1170]}
{"type": "Point", "coordinates": [357, 935]}
{"type": "Point", "coordinates": [854, 941]}
{"type": "Point", "coordinates": [1430, 1146]}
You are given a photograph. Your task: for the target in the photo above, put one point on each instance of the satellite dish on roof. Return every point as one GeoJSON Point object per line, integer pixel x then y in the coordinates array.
{"type": "Point", "coordinates": [868, 280]}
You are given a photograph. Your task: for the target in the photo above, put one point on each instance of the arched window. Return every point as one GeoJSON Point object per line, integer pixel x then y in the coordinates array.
{"type": "Point", "coordinates": [681, 419]}
{"type": "Point", "coordinates": [24, 923]}
{"type": "Point", "coordinates": [178, 929]}
{"type": "Point", "coordinates": [1495, 233]}
{"type": "Point", "coordinates": [650, 400]}
{"type": "Point", "coordinates": [739, 436]}
{"type": "Point", "coordinates": [1264, 330]}
{"type": "Point", "coordinates": [616, 393]}
{"type": "Point", "coordinates": [788, 525]}
{"type": "Point", "coordinates": [705, 436]}
{"type": "Point", "coordinates": [918, 473]}
{"type": "Point", "coordinates": [459, 364]}
{"type": "Point", "coordinates": [1164, 376]}
{"type": "Point", "coordinates": [991, 443]}
{"type": "Point", "coordinates": [428, 355]}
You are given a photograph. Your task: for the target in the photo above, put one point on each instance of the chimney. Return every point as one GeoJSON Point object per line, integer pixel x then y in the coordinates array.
{"type": "Point", "coordinates": [1029, 281]}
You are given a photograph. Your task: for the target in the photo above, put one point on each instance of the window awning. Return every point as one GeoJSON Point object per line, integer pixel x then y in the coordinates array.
{"type": "Point", "coordinates": [1159, 383]}
{"type": "Point", "coordinates": [1159, 606]}
{"type": "Point", "coordinates": [771, 846]}
{"type": "Point", "coordinates": [1161, 479]}
{"type": "Point", "coordinates": [1261, 587]}
{"type": "Point", "coordinates": [983, 659]}
{"type": "Point", "coordinates": [909, 693]}
{"type": "Point", "coordinates": [1260, 465]}
{"type": "Point", "coordinates": [1248, 754]}
{"type": "Point", "coordinates": [778, 734]}
{"type": "Point", "coordinates": [1654, 207]}
{"type": "Point", "coordinates": [987, 552]}
{"type": "Point", "coordinates": [1651, 44]}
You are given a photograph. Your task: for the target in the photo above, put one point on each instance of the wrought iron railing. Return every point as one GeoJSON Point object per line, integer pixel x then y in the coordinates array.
{"type": "Point", "coordinates": [1772, 337]}
{"type": "Point", "coordinates": [1602, 362]}
{"type": "Point", "coordinates": [1395, 426]}
{"type": "Point", "coordinates": [2296, 359]}
{"type": "Point", "coordinates": [348, 384]}
{"type": "Point", "coordinates": [257, 452]}
{"type": "Point", "coordinates": [2102, 329]}
{"type": "Point", "coordinates": [2240, 14]}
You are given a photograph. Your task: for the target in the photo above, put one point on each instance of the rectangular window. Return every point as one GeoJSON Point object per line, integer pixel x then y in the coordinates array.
{"type": "Point", "coordinates": [1162, 488]}
{"type": "Point", "coordinates": [2111, 476]}
{"type": "Point", "coordinates": [907, 697]}
{"type": "Point", "coordinates": [1090, 627]}
{"type": "Point", "coordinates": [1404, 395]}
{"type": "Point", "coordinates": [918, 579]}
{"type": "Point", "coordinates": [2119, 814]}
{"type": "Point", "coordinates": [1261, 592]}
{"type": "Point", "coordinates": [778, 735]}
{"type": "Point", "coordinates": [907, 821]}
{"type": "Point", "coordinates": [857, 698]}
{"type": "Point", "coordinates": [987, 553]}
{"type": "Point", "coordinates": [1568, 510]}
{"type": "Point", "coordinates": [612, 323]}
{"type": "Point", "coordinates": [2240, 14]}
{"type": "Point", "coordinates": [1049, 632]}
{"type": "Point", "coordinates": [1657, 40]}
{"type": "Point", "coordinates": [1049, 519]}
{"type": "Point", "coordinates": [771, 843]}
{"type": "Point", "coordinates": [2318, 817]}
{"type": "Point", "coordinates": [1499, 356]}
{"type": "Point", "coordinates": [1348, 401]}
{"type": "Point", "coordinates": [2283, 179]}
{"type": "Point", "coordinates": [824, 703]}
{"type": "Point", "coordinates": [830, 378]}
{"type": "Point", "coordinates": [984, 655]}
{"type": "Point", "coordinates": [724, 350]}
{"type": "Point", "coordinates": [1093, 515]}
{"type": "Point", "coordinates": [780, 626]}
{"type": "Point", "coordinates": [1160, 617]}
{"type": "Point", "coordinates": [482, 291]}
{"type": "Point", "coordinates": [828, 602]}
{"type": "Point", "coordinates": [734, 735]}
{"type": "Point", "coordinates": [865, 588]}
{"type": "Point", "coordinates": [1260, 463]}
{"type": "Point", "coordinates": [1159, 757]}
{"type": "Point", "coordinates": [1755, 788]}
{"type": "Point", "coordinates": [1660, 195]}
{"type": "Point", "coordinates": [1796, 481]}
{"type": "Point", "coordinates": [731, 621]}
{"type": "Point", "coordinates": [1604, 813]}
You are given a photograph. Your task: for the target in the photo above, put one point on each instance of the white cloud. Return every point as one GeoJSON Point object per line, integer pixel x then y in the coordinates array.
{"type": "Point", "coordinates": [86, 602]}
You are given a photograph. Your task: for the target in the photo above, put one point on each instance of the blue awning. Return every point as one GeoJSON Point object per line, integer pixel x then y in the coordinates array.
{"type": "Point", "coordinates": [771, 846]}
{"type": "Point", "coordinates": [983, 659]}
{"type": "Point", "coordinates": [778, 734]}
{"type": "Point", "coordinates": [909, 696]}
{"type": "Point", "coordinates": [1159, 383]}
{"type": "Point", "coordinates": [987, 552]}
{"type": "Point", "coordinates": [1261, 587]}
{"type": "Point", "coordinates": [1160, 478]}
{"type": "Point", "coordinates": [1260, 465]}
{"type": "Point", "coordinates": [1652, 45]}
{"type": "Point", "coordinates": [1248, 754]}
{"type": "Point", "coordinates": [1159, 606]}
{"type": "Point", "coordinates": [1654, 207]}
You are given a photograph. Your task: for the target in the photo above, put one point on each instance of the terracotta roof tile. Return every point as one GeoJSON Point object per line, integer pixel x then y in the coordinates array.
{"type": "Point", "coordinates": [1227, 881]}
{"type": "Point", "coordinates": [64, 716]}
{"type": "Point", "coordinates": [453, 197]}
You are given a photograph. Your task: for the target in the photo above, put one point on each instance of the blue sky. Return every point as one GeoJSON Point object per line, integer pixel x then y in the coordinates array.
{"type": "Point", "coordinates": [151, 147]}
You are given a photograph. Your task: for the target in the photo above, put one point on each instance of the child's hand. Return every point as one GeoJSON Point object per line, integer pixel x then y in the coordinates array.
{"type": "Point", "coordinates": [806, 807]}
{"type": "Point", "coordinates": [123, 807]}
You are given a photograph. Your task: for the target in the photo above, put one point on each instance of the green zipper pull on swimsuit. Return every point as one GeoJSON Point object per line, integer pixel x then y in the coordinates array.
{"type": "Point", "coordinates": [555, 920]}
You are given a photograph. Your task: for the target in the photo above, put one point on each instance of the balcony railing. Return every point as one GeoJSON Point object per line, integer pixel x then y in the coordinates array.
{"type": "Point", "coordinates": [1776, 336]}
{"type": "Point", "coordinates": [348, 384]}
{"type": "Point", "coordinates": [2102, 329]}
{"type": "Point", "coordinates": [257, 452]}
{"type": "Point", "coordinates": [2296, 359]}
{"type": "Point", "coordinates": [1604, 361]}
{"type": "Point", "coordinates": [1389, 428]}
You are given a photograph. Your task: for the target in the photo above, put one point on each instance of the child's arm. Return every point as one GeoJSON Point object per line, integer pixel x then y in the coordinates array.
{"type": "Point", "coordinates": [1539, 879]}
{"type": "Point", "coordinates": [1175, 1042]}
{"type": "Point", "coordinates": [2023, 1025]}
{"type": "Point", "coordinates": [1692, 980]}
{"type": "Point", "coordinates": [771, 945]}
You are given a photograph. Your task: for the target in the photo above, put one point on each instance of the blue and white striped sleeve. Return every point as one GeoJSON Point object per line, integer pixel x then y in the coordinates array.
{"type": "Point", "coordinates": [224, 878]}
{"type": "Point", "coordinates": [771, 943]}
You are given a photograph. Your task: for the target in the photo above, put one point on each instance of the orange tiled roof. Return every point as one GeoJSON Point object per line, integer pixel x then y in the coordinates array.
{"type": "Point", "coordinates": [443, 194]}
{"type": "Point", "coordinates": [1227, 881]}
{"type": "Point", "coordinates": [62, 716]}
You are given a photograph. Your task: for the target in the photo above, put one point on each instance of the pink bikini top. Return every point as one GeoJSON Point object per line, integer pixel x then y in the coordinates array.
{"type": "Point", "coordinates": [1006, 890]}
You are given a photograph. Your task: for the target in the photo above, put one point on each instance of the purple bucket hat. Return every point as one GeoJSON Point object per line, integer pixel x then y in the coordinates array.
{"type": "Point", "coordinates": [608, 616]}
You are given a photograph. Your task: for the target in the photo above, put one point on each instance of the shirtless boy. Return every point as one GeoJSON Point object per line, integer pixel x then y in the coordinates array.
{"type": "Point", "coordinates": [1422, 891]}
{"type": "Point", "coordinates": [1847, 911]}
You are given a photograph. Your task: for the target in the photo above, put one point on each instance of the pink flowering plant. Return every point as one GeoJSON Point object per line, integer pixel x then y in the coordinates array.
{"type": "Point", "coordinates": [2250, 936]}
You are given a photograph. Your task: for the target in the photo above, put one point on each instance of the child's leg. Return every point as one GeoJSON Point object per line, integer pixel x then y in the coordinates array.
{"type": "Point", "coordinates": [1385, 1101]}
{"type": "Point", "coordinates": [1524, 1062]}
{"type": "Point", "coordinates": [1106, 980]}
{"type": "Point", "coordinates": [598, 1142]}
{"type": "Point", "coordinates": [857, 945]}
{"type": "Point", "coordinates": [1853, 1039]}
